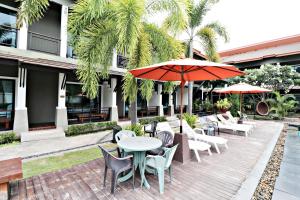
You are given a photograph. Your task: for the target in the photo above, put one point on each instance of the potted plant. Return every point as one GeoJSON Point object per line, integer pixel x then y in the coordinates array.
{"type": "Point", "coordinates": [223, 105]}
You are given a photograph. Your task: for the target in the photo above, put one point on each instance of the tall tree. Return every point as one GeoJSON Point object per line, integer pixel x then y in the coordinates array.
{"type": "Point", "coordinates": [206, 34]}
{"type": "Point", "coordinates": [99, 26]}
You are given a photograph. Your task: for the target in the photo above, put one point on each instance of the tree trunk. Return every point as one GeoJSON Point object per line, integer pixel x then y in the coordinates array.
{"type": "Point", "coordinates": [190, 84]}
{"type": "Point", "coordinates": [133, 113]}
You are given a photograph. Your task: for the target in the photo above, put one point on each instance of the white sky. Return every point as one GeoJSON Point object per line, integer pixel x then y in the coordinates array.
{"type": "Point", "coordinates": [250, 21]}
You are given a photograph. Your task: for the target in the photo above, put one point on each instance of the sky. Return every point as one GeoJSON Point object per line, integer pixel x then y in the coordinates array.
{"type": "Point", "coordinates": [251, 21]}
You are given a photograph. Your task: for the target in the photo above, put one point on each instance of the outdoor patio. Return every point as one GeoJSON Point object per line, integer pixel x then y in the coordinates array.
{"type": "Point", "coordinates": [217, 177]}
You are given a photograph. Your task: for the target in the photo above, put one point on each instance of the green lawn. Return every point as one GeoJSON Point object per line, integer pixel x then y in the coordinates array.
{"type": "Point", "coordinates": [53, 163]}
{"type": "Point", "coordinates": [10, 144]}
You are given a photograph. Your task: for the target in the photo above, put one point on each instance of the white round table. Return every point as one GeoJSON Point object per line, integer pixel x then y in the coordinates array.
{"type": "Point", "coordinates": [138, 147]}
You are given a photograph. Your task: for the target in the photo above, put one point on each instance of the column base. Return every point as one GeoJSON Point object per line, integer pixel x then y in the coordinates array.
{"type": "Point", "coordinates": [21, 121]}
{"type": "Point", "coordinates": [114, 114]}
{"type": "Point", "coordinates": [161, 110]}
{"type": "Point", "coordinates": [182, 153]}
{"type": "Point", "coordinates": [61, 118]}
{"type": "Point", "coordinates": [171, 110]}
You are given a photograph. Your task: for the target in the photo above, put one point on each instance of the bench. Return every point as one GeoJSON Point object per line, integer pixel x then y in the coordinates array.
{"type": "Point", "coordinates": [83, 117]}
{"type": "Point", "coordinates": [9, 170]}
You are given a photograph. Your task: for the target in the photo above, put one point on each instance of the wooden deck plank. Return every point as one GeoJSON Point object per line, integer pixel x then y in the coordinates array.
{"type": "Point", "coordinates": [217, 177]}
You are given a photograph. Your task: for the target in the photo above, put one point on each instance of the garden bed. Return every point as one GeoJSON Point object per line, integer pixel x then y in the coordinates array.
{"type": "Point", "coordinates": [265, 188]}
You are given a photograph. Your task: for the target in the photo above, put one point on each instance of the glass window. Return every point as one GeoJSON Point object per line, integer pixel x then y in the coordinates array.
{"type": "Point", "coordinates": [6, 103]}
{"type": "Point", "coordinates": [81, 108]}
{"type": "Point", "coordinates": [8, 31]}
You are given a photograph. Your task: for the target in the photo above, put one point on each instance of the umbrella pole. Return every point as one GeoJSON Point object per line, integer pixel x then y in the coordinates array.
{"type": "Point", "coordinates": [181, 102]}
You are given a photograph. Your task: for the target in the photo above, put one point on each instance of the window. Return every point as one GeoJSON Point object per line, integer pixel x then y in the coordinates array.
{"type": "Point", "coordinates": [6, 103]}
{"type": "Point", "coordinates": [82, 109]}
{"type": "Point", "coordinates": [8, 31]}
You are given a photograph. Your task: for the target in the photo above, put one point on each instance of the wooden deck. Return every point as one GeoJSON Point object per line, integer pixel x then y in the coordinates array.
{"type": "Point", "coordinates": [217, 177]}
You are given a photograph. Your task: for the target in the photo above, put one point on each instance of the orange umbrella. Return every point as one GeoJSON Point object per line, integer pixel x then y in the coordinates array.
{"type": "Point", "coordinates": [186, 70]}
{"type": "Point", "coordinates": [242, 88]}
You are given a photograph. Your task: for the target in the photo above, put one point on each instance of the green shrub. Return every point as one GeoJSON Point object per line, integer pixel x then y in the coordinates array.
{"type": "Point", "coordinates": [8, 137]}
{"type": "Point", "coordinates": [150, 120]}
{"type": "Point", "coordinates": [235, 104]}
{"type": "Point", "coordinates": [190, 119]}
{"type": "Point", "coordinates": [80, 129]}
{"type": "Point", "coordinates": [137, 128]}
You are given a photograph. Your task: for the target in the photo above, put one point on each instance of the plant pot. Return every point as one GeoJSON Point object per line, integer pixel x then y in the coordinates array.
{"type": "Point", "coordinates": [223, 110]}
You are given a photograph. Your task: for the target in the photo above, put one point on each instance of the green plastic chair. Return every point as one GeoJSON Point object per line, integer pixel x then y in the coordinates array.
{"type": "Point", "coordinates": [158, 164]}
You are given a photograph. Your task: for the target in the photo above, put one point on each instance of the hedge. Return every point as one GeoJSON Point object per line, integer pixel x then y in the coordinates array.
{"type": "Point", "coordinates": [150, 120]}
{"type": "Point", "coordinates": [80, 129]}
{"type": "Point", "coordinates": [8, 137]}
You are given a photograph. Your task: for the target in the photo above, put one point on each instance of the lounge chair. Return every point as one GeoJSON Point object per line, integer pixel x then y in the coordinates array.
{"type": "Point", "coordinates": [194, 144]}
{"type": "Point", "coordinates": [233, 127]}
{"type": "Point", "coordinates": [228, 122]}
{"type": "Point", "coordinates": [235, 121]}
{"type": "Point", "coordinates": [199, 134]}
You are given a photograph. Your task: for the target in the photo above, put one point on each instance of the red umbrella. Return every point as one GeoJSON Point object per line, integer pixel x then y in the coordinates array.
{"type": "Point", "coordinates": [242, 88]}
{"type": "Point", "coordinates": [186, 70]}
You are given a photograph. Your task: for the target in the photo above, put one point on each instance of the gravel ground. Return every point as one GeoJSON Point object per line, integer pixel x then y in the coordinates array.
{"type": "Point", "coordinates": [264, 190]}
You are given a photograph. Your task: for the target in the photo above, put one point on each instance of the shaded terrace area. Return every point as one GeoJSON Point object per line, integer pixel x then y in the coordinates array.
{"type": "Point", "coordinates": [217, 177]}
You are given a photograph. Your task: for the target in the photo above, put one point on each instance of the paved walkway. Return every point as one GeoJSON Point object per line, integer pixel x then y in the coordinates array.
{"type": "Point", "coordinates": [54, 145]}
{"type": "Point", "coordinates": [287, 185]}
{"type": "Point", "coordinates": [218, 176]}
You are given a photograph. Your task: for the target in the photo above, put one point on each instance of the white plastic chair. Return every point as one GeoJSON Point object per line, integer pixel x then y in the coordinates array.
{"type": "Point", "coordinates": [235, 121]}
{"type": "Point", "coordinates": [199, 134]}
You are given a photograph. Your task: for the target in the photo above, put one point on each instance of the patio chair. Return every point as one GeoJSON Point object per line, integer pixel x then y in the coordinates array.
{"type": "Point", "coordinates": [158, 164]}
{"type": "Point", "coordinates": [167, 141]}
{"type": "Point", "coordinates": [151, 128]}
{"type": "Point", "coordinates": [233, 127]}
{"type": "Point", "coordinates": [117, 165]}
{"type": "Point", "coordinates": [199, 134]}
{"type": "Point", "coordinates": [243, 115]}
{"type": "Point", "coordinates": [235, 121]}
{"type": "Point", "coordinates": [121, 135]}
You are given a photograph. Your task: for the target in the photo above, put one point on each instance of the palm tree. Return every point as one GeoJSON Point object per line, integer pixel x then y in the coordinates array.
{"type": "Point", "coordinates": [206, 34]}
{"type": "Point", "coordinates": [282, 104]}
{"type": "Point", "coordinates": [97, 27]}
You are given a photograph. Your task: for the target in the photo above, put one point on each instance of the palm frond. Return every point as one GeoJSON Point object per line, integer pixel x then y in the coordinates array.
{"type": "Point", "coordinates": [169, 87]}
{"type": "Point", "coordinates": [219, 29]}
{"type": "Point", "coordinates": [128, 15]}
{"type": "Point", "coordinates": [129, 87]}
{"type": "Point", "coordinates": [31, 11]}
{"type": "Point", "coordinates": [146, 88]}
{"type": "Point", "coordinates": [164, 46]}
{"type": "Point", "coordinates": [209, 43]}
{"type": "Point", "coordinates": [84, 14]}
{"type": "Point", "coordinates": [177, 13]}
{"type": "Point", "coordinates": [199, 11]}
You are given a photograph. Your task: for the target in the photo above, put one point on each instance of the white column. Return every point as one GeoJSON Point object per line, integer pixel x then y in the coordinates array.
{"type": "Point", "coordinates": [21, 116]}
{"type": "Point", "coordinates": [22, 36]}
{"type": "Point", "coordinates": [110, 98]}
{"type": "Point", "coordinates": [61, 118]}
{"type": "Point", "coordinates": [64, 31]}
{"type": "Point", "coordinates": [61, 91]}
{"type": "Point", "coordinates": [115, 59]}
{"type": "Point", "coordinates": [171, 105]}
{"type": "Point", "coordinates": [159, 101]}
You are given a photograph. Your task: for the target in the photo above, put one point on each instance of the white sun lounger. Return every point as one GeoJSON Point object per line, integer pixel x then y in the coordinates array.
{"type": "Point", "coordinates": [235, 121]}
{"type": "Point", "coordinates": [232, 127]}
{"type": "Point", "coordinates": [194, 144]}
{"type": "Point", "coordinates": [225, 121]}
{"type": "Point", "coordinates": [199, 134]}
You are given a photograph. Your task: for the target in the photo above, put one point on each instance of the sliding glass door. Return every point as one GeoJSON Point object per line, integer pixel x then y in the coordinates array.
{"type": "Point", "coordinates": [7, 98]}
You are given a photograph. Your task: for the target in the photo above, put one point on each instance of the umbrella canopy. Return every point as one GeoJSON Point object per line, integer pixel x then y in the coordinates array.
{"type": "Point", "coordinates": [186, 70]}
{"type": "Point", "coordinates": [242, 88]}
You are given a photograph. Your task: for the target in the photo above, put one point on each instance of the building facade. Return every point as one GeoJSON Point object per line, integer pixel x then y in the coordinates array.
{"type": "Point", "coordinates": [38, 83]}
